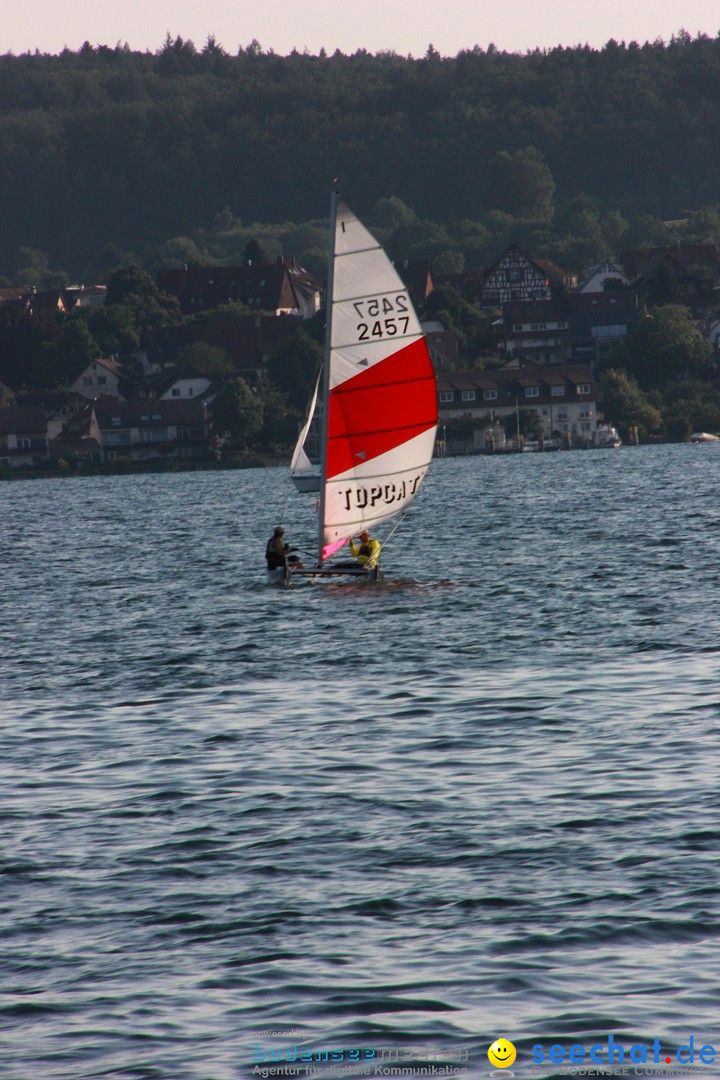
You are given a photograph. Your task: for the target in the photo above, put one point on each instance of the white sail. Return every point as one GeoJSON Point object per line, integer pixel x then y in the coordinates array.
{"type": "Point", "coordinates": [381, 415]}
{"type": "Point", "coordinates": [300, 462]}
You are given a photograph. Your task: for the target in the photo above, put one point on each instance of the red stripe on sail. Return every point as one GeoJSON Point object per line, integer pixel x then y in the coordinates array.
{"type": "Point", "coordinates": [381, 408]}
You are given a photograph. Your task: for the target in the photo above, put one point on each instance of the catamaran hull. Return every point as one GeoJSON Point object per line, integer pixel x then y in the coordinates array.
{"type": "Point", "coordinates": [332, 573]}
{"type": "Point", "coordinates": [307, 483]}
{"type": "Point", "coordinates": [285, 575]}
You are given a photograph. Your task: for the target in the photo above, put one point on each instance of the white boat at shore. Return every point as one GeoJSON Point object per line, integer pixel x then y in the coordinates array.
{"type": "Point", "coordinates": [305, 475]}
{"type": "Point", "coordinates": [606, 437]}
{"type": "Point", "coordinates": [703, 436]}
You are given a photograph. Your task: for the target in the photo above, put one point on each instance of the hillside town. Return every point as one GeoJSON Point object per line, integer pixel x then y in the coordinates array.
{"type": "Point", "coordinates": [536, 387]}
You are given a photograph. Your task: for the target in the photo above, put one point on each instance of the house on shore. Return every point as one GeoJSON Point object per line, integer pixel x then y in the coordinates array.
{"type": "Point", "coordinates": [515, 276]}
{"type": "Point", "coordinates": [180, 383]}
{"type": "Point", "coordinates": [140, 430]}
{"type": "Point", "coordinates": [282, 287]}
{"type": "Point", "coordinates": [78, 439]}
{"type": "Point", "coordinates": [565, 397]}
{"type": "Point", "coordinates": [249, 340]}
{"type": "Point", "coordinates": [417, 276]}
{"type": "Point", "coordinates": [577, 327]}
{"type": "Point", "coordinates": [61, 407]}
{"type": "Point", "coordinates": [598, 321]}
{"type": "Point", "coordinates": [535, 329]}
{"type": "Point", "coordinates": [106, 378]}
{"type": "Point", "coordinates": [604, 275]}
{"type": "Point", "coordinates": [442, 345]}
{"type": "Point", "coordinates": [33, 302]}
{"type": "Point", "coordinates": [23, 436]}
{"type": "Point", "coordinates": [638, 262]}
{"type": "Point", "coordinates": [84, 296]}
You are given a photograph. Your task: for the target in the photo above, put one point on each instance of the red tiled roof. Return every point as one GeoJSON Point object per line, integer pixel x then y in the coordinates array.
{"type": "Point", "coordinates": [509, 380]}
{"type": "Point", "coordinates": [267, 286]}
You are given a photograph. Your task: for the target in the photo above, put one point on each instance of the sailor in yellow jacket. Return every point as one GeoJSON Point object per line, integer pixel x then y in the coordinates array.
{"type": "Point", "coordinates": [367, 552]}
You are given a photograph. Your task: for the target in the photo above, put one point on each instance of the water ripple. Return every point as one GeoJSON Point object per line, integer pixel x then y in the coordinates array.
{"type": "Point", "coordinates": [480, 799]}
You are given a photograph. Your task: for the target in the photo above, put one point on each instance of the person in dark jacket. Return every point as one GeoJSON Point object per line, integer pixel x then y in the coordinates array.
{"type": "Point", "coordinates": [277, 552]}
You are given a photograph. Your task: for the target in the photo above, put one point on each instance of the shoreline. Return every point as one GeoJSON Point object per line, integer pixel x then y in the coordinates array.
{"type": "Point", "coordinates": [153, 467]}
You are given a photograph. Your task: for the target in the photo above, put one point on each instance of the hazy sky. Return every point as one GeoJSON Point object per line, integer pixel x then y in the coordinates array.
{"type": "Point", "coordinates": [407, 26]}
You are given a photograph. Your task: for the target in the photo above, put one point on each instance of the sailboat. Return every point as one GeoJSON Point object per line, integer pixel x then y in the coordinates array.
{"type": "Point", "coordinates": [305, 477]}
{"type": "Point", "coordinates": [379, 399]}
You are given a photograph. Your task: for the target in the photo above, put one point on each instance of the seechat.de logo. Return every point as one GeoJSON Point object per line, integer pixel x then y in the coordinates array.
{"type": "Point", "coordinates": [611, 1052]}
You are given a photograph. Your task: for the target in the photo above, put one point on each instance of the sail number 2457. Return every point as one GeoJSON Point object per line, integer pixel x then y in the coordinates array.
{"type": "Point", "coordinates": [382, 316]}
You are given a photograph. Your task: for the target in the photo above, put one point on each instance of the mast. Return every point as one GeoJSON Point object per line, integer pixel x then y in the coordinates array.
{"type": "Point", "coordinates": [326, 375]}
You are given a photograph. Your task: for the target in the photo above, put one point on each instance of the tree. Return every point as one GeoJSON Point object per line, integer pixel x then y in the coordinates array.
{"type": "Point", "coordinates": [280, 421]}
{"type": "Point", "coordinates": [449, 262]}
{"type": "Point", "coordinates": [112, 328]}
{"type": "Point", "coordinates": [27, 356]}
{"type": "Point", "coordinates": [253, 253]}
{"type": "Point", "coordinates": [645, 231]}
{"type": "Point", "coordinates": [625, 404]}
{"type": "Point", "coordinates": [32, 266]}
{"type": "Point", "coordinates": [690, 405]}
{"type": "Point", "coordinates": [133, 287]}
{"type": "Point", "coordinates": [180, 251]}
{"type": "Point", "coordinates": [419, 240]}
{"type": "Point", "coordinates": [704, 225]}
{"type": "Point", "coordinates": [581, 241]}
{"type": "Point", "coordinates": [74, 350]}
{"type": "Point", "coordinates": [664, 346]}
{"type": "Point", "coordinates": [390, 214]}
{"type": "Point", "coordinates": [294, 368]}
{"type": "Point", "coordinates": [470, 325]}
{"type": "Point", "coordinates": [152, 145]}
{"type": "Point", "coordinates": [663, 286]}
{"type": "Point", "coordinates": [237, 412]}
{"type": "Point", "coordinates": [704, 280]}
{"type": "Point", "coordinates": [210, 359]}
{"type": "Point", "coordinates": [523, 184]}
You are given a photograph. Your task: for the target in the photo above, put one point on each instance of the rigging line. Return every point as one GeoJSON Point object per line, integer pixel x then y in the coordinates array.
{"type": "Point", "coordinates": [283, 508]}
{"type": "Point", "coordinates": [396, 526]}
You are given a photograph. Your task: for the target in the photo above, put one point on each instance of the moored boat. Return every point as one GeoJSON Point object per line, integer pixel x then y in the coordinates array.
{"type": "Point", "coordinates": [606, 437]}
{"type": "Point", "coordinates": [306, 476]}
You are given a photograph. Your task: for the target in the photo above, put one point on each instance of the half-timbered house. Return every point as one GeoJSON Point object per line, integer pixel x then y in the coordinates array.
{"type": "Point", "coordinates": [515, 276]}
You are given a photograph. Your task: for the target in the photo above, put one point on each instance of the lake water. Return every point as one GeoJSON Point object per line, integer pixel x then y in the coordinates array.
{"type": "Point", "coordinates": [478, 800]}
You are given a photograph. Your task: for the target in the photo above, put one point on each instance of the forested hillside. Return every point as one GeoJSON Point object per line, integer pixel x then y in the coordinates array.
{"type": "Point", "coordinates": [109, 155]}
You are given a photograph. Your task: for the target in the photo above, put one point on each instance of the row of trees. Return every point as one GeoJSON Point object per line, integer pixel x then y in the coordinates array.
{"type": "Point", "coordinates": [109, 156]}
{"type": "Point", "coordinates": [582, 234]}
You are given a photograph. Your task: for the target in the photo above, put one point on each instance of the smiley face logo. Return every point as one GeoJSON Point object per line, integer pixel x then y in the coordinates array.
{"type": "Point", "coordinates": [502, 1053]}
